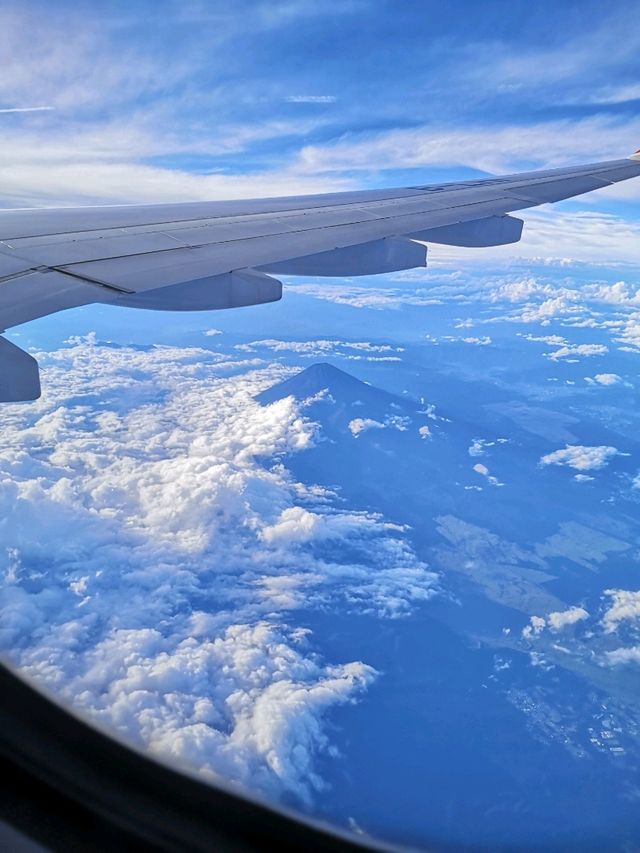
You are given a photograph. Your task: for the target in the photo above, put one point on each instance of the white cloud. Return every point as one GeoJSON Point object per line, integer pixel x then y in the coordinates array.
{"type": "Point", "coordinates": [616, 94]}
{"type": "Point", "coordinates": [604, 379]}
{"type": "Point", "coordinates": [311, 99]}
{"type": "Point", "coordinates": [581, 457]}
{"type": "Point", "coordinates": [494, 149]}
{"type": "Point", "coordinates": [424, 432]}
{"type": "Point", "coordinates": [483, 341]}
{"type": "Point", "coordinates": [210, 333]}
{"type": "Point", "coordinates": [559, 619]}
{"type": "Point", "coordinates": [623, 656]}
{"type": "Point", "coordinates": [359, 425]}
{"type": "Point", "coordinates": [26, 109]}
{"type": "Point", "coordinates": [296, 524]}
{"type": "Point", "coordinates": [631, 333]}
{"type": "Point", "coordinates": [66, 172]}
{"type": "Point", "coordinates": [541, 302]}
{"type": "Point", "coordinates": [555, 621]}
{"type": "Point", "coordinates": [581, 350]}
{"type": "Point", "coordinates": [520, 290]}
{"type": "Point", "coordinates": [556, 340]}
{"type": "Point", "coordinates": [244, 706]}
{"type": "Point", "coordinates": [536, 626]}
{"type": "Point", "coordinates": [120, 104]}
{"type": "Point", "coordinates": [481, 469]}
{"type": "Point", "coordinates": [545, 311]}
{"type": "Point", "coordinates": [625, 607]}
{"type": "Point", "coordinates": [155, 556]}
{"type": "Point", "coordinates": [375, 298]}
{"type": "Point", "coordinates": [619, 293]}
{"type": "Point", "coordinates": [322, 347]}
{"type": "Point", "coordinates": [478, 445]}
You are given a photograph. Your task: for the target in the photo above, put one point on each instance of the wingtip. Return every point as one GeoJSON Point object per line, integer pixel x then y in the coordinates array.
{"type": "Point", "coordinates": [635, 156]}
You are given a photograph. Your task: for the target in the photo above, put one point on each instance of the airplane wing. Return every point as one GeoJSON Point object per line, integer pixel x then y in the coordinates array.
{"type": "Point", "coordinates": [224, 254]}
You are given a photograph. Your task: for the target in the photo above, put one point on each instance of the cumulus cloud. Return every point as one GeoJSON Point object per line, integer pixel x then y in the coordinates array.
{"type": "Point", "coordinates": [624, 607]}
{"type": "Point", "coordinates": [545, 311]}
{"type": "Point", "coordinates": [536, 626]}
{"type": "Point", "coordinates": [581, 457]}
{"type": "Point", "coordinates": [349, 350]}
{"type": "Point", "coordinates": [157, 550]}
{"type": "Point", "coordinates": [630, 333]}
{"type": "Point", "coordinates": [543, 301]}
{"type": "Point", "coordinates": [244, 706]}
{"type": "Point", "coordinates": [619, 293]}
{"type": "Point", "coordinates": [580, 350]}
{"type": "Point", "coordinates": [555, 621]}
{"type": "Point", "coordinates": [454, 278]}
{"type": "Point", "coordinates": [481, 469]}
{"type": "Point", "coordinates": [604, 379]}
{"type": "Point", "coordinates": [556, 340]}
{"type": "Point", "coordinates": [559, 619]}
{"type": "Point", "coordinates": [359, 425]}
{"type": "Point", "coordinates": [483, 341]}
{"type": "Point", "coordinates": [296, 524]}
{"type": "Point", "coordinates": [375, 298]}
{"type": "Point", "coordinates": [520, 290]}
{"type": "Point", "coordinates": [623, 656]}
{"type": "Point", "coordinates": [478, 446]}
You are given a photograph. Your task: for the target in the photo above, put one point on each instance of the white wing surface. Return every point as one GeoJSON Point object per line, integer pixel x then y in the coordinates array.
{"type": "Point", "coordinates": [206, 255]}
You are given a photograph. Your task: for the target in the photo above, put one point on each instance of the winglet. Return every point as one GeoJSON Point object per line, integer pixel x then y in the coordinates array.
{"type": "Point", "coordinates": [635, 156]}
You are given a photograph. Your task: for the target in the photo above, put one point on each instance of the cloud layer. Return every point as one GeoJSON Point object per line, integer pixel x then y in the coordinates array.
{"type": "Point", "coordinates": [156, 551]}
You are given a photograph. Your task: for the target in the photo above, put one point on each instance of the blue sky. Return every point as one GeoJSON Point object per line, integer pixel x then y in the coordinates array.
{"type": "Point", "coordinates": [164, 100]}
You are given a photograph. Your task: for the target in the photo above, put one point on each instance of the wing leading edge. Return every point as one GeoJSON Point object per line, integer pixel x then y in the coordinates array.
{"type": "Point", "coordinates": [211, 255]}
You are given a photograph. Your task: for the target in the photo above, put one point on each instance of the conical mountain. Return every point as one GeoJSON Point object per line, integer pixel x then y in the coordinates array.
{"type": "Point", "coordinates": [341, 386]}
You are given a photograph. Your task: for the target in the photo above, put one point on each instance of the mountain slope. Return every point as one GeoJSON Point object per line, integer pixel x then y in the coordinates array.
{"type": "Point", "coordinates": [343, 387]}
